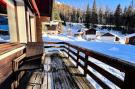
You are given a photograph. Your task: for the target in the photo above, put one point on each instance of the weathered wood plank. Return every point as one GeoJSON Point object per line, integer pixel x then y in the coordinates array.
{"type": "Point", "coordinates": [59, 76]}
{"type": "Point", "coordinates": [78, 77]}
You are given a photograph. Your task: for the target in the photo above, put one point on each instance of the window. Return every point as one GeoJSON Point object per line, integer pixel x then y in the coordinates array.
{"type": "Point", "coordinates": [4, 28]}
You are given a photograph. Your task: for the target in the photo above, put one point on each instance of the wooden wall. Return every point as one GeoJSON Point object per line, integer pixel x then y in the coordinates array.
{"type": "Point", "coordinates": [7, 56]}
{"type": "Point", "coordinates": [39, 26]}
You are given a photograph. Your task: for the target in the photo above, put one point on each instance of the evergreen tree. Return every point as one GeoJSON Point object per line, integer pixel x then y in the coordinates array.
{"type": "Point", "coordinates": [77, 16]}
{"type": "Point", "coordinates": [118, 15]}
{"type": "Point", "coordinates": [111, 18]}
{"type": "Point", "coordinates": [94, 18]}
{"type": "Point", "coordinates": [130, 18]}
{"type": "Point", "coordinates": [73, 16]}
{"type": "Point", "coordinates": [100, 16]}
{"type": "Point", "coordinates": [87, 17]}
{"type": "Point", "coordinates": [124, 17]}
{"type": "Point", "coordinates": [105, 16]}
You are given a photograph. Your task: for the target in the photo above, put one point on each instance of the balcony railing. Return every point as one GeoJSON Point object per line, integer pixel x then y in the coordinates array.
{"type": "Point", "coordinates": [122, 66]}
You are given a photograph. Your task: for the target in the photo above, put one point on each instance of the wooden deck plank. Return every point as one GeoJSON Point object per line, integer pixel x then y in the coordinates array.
{"type": "Point", "coordinates": [60, 75]}
{"type": "Point", "coordinates": [78, 77]}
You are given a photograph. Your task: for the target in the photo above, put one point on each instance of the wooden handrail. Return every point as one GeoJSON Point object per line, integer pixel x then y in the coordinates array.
{"type": "Point", "coordinates": [124, 66]}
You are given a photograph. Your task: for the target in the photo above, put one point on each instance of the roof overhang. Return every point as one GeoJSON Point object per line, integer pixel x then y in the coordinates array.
{"type": "Point", "coordinates": [45, 7]}
{"type": "Point", "coordinates": [40, 7]}
{"type": "Point", "coordinates": [32, 6]}
{"type": "Point", "coordinates": [9, 3]}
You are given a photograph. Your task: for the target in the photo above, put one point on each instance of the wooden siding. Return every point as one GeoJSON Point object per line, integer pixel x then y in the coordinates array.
{"type": "Point", "coordinates": [6, 67]}
{"type": "Point", "coordinates": [39, 26]}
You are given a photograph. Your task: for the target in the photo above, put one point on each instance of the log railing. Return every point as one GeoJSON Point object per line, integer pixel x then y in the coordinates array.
{"type": "Point", "coordinates": [123, 66]}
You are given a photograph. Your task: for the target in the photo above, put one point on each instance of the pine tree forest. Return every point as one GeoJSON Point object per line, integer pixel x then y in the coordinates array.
{"type": "Point", "coordinates": [119, 19]}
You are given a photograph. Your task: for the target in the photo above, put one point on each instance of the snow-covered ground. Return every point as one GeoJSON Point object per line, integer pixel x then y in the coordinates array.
{"type": "Point", "coordinates": [120, 51]}
{"type": "Point", "coordinates": [4, 38]}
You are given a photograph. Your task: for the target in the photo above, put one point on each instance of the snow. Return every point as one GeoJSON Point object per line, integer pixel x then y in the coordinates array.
{"type": "Point", "coordinates": [130, 35]}
{"type": "Point", "coordinates": [120, 51]}
{"type": "Point", "coordinates": [75, 27]}
{"type": "Point", "coordinates": [4, 38]}
{"type": "Point", "coordinates": [125, 52]}
{"type": "Point", "coordinates": [61, 37]}
{"type": "Point", "coordinates": [58, 2]}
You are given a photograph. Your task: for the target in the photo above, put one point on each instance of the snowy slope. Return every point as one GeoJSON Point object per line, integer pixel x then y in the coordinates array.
{"type": "Point", "coordinates": [74, 26]}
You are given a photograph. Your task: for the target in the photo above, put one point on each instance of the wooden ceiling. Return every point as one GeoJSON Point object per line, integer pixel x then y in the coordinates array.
{"type": "Point", "coordinates": [44, 7]}
{"type": "Point", "coordinates": [41, 7]}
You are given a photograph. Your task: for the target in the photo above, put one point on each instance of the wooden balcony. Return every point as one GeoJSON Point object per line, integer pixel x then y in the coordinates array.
{"type": "Point", "coordinates": [59, 69]}
{"type": "Point", "coordinates": [74, 52]}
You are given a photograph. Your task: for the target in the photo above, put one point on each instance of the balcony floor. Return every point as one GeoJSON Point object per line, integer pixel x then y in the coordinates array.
{"type": "Point", "coordinates": [59, 73]}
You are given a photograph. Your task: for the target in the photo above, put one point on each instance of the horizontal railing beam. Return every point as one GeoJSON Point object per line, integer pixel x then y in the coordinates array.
{"type": "Point", "coordinates": [124, 66]}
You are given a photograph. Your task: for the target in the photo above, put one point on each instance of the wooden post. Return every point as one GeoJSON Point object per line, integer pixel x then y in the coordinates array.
{"type": "Point", "coordinates": [39, 26]}
{"type": "Point", "coordinates": [28, 26]}
{"type": "Point", "coordinates": [129, 81]}
{"type": "Point", "coordinates": [33, 28]}
{"type": "Point", "coordinates": [12, 22]}
{"type": "Point", "coordinates": [21, 21]}
{"type": "Point", "coordinates": [68, 51]}
{"type": "Point", "coordinates": [77, 58]}
{"type": "Point", "coordinates": [85, 65]}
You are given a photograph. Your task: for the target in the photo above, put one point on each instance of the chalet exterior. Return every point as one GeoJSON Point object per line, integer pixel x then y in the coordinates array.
{"type": "Point", "coordinates": [52, 28]}
{"type": "Point", "coordinates": [55, 26]}
{"type": "Point", "coordinates": [130, 39]}
{"type": "Point", "coordinates": [90, 34]}
{"type": "Point", "coordinates": [117, 39]}
{"type": "Point", "coordinates": [26, 64]}
{"type": "Point", "coordinates": [100, 33]}
{"type": "Point", "coordinates": [80, 33]}
{"type": "Point", "coordinates": [108, 34]}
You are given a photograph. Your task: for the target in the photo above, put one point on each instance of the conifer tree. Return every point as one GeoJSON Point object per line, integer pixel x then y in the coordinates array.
{"type": "Point", "coordinates": [100, 16]}
{"type": "Point", "coordinates": [87, 17]}
{"type": "Point", "coordinates": [94, 18]}
{"type": "Point", "coordinates": [118, 14]}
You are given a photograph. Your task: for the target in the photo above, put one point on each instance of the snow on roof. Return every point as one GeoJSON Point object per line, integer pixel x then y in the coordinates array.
{"type": "Point", "coordinates": [50, 23]}
{"type": "Point", "coordinates": [108, 34]}
{"type": "Point", "coordinates": [116, 33]}
{"type": "Point", "coordinates": [130, 35]}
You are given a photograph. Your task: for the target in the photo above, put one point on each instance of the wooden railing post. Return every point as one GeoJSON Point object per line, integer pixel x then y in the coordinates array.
{"type": "Point", "coordinates": [85, 65]}
{"type": "Point", "coordinates": [129, 81]}
{"type": "Point", "coordinates": [68, 51]}
{"type": "Point", "coordinates": [77, 58]}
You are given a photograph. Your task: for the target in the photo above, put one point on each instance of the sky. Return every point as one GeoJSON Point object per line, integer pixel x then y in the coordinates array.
{"type": "Point", "coordinates": [111, 4]}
